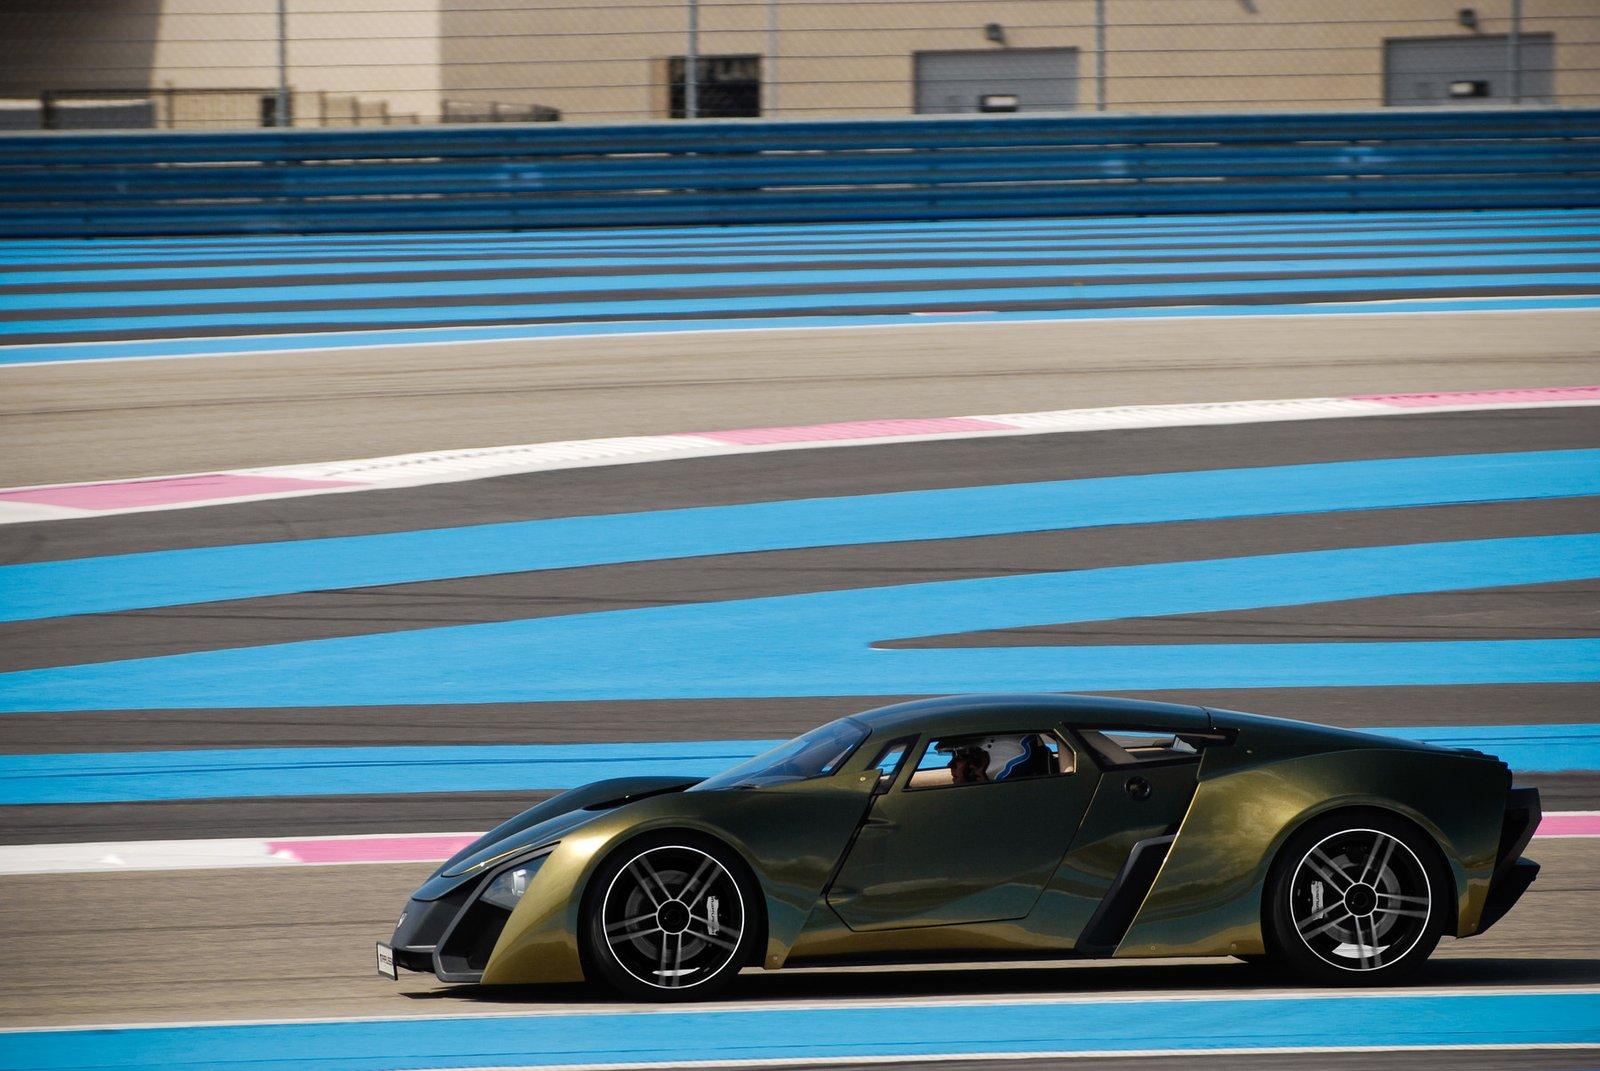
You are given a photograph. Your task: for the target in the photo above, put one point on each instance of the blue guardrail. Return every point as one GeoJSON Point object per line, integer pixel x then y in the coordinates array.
{"type": "Point", "coordinates": [550, 175]}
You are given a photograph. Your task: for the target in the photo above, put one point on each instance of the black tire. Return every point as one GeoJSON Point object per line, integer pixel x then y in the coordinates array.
{"type": "Point", "coordinates": [671, 917]}
{"type": "Point", "coordinates": [1356, 898]}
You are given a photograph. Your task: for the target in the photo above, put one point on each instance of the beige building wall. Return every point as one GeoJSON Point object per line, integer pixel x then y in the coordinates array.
{"type": "Point", "coordinates": [377, 61]}
{"type": "Point", "coordinates": [209, 62]}
{"type": "Point", "coordinates": [605, 61]}
{"type": "Point", "coordinates": [1312, 55]}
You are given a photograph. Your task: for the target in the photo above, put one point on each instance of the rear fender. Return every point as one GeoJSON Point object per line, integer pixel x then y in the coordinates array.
{"type": "Point", "coordinates": [1206, 900]}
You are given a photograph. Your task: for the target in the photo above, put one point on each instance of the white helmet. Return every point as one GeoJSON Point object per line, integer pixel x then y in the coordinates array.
{"type": "Point", "coordinates": [1009, 756]}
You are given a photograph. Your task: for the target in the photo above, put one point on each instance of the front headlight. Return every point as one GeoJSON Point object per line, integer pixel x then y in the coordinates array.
{"type": "Point", "coordinates": [509, 885]}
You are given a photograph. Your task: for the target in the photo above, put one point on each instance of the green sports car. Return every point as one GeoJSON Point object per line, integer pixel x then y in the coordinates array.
{"type": "Point", "coordinates": [992, 827]}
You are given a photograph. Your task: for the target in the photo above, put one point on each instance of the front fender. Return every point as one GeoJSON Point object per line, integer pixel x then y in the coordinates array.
{"type": "Point", "coordinates": [540, 825]}
{"type": "Point", "coordinates": [789, 836]}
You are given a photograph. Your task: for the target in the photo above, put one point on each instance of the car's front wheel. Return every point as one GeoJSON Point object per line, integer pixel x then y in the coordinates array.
{"type": "Point", "coordinates": [670, 918]}
{"type": "Point", "coordinates": [1355, 898]}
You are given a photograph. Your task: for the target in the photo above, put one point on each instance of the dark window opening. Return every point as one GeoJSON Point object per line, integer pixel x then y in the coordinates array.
{"type": "Point", "coordinates": [727, 87]}
{"type": "Point", "coordinates": [984, 758]}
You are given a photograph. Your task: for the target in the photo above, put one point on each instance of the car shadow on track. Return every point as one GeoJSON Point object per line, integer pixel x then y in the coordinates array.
{"type": "Point", "coordinates": [1041, 980]}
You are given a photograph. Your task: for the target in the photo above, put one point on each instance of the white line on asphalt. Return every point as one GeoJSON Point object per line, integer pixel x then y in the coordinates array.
{"type": "Point", "coordinates": [868, 1003]}
{"type": "Point", "coordinates": [46, 502]}
{"type": "Point", "coordinates": [1180, 312]}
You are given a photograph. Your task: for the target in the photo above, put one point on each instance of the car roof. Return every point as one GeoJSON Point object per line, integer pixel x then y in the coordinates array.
{"type": "Point", "coordinates": [956, 713]}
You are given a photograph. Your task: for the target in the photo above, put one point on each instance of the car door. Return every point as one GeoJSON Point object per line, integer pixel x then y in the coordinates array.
{"type": "Point", "coordinates": [935, 851]}
{"type": "Point", "coordinates": [1147, 779]}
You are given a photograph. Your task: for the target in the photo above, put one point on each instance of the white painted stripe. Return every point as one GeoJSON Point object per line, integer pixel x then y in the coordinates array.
{"type": "Point", "coordinates": [228, 853]}
{"type": "Point", "coordinates": [448, 466]}
{"type": "Point", "coordinates": [18, 512]}
{"type": "Point", "coordinates": [355, 342]}
{"type": "Point", "coordinates": [867, 1003]}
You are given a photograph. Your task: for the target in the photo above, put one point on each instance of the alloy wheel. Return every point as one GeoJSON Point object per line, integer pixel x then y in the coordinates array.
{"type": "Point", "coordinates": [1360, 899]}
{"type": "Point", "coordinates": [673, 917]}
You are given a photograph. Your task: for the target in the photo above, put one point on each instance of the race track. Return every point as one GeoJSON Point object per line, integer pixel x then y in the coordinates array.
{"type": "Point", "coordinates": [245, 674]}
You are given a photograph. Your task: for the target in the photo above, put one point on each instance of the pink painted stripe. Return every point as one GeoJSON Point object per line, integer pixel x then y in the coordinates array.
{"type": "Point", "coordinates": [164, 491]}
{"type": "Point", "coordinates": [1569, 825]}
{"type": "Point", "coordinates": [853, 429]}
{"type": "Point", "coordinates": [1484, 397]}
{"type": "Point", "coordinates": [422, 848]}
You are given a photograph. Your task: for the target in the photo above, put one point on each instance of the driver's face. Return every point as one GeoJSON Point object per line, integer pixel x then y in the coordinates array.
{"type": "Point", "coordinates": [967, 768]}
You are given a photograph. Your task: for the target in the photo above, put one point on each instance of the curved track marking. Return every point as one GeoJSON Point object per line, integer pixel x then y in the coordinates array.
{"type": "Point", "coordinates": [178, 577]}
{"type": "Point", "coordinates": [750, 647]}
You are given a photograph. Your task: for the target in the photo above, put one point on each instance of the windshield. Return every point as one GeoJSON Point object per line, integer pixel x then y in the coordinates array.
{"type": "Point", "coordinates": [816, 754]}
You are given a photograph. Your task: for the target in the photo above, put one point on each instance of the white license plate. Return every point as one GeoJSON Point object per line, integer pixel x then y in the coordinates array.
{"type": "Point", "coordinates": [386, 962]}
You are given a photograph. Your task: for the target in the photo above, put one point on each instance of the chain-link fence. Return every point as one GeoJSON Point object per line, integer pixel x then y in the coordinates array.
{"type": "Point", "coordinates": [200, 64]}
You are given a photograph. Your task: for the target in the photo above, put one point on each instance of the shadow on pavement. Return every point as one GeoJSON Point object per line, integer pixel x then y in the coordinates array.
{"type": "Point", "coordinates": [1083, 979]}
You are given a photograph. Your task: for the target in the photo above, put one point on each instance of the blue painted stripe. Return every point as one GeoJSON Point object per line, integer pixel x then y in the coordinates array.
{"type": "Point", "coordinates": [822, 643]}
{"type": "Point", "coordinates": [837, 1033]}
{"type": "Point", "coordinates": [253, 772]}
{"type": "Point", "coordinates": [1339, 221]}
{"type": "Point", "coordinates": [1238, 239]}
{"type": "Point", "coordinates": [45, 353]}
{"type": "Point", "coordinates": [423, 259]}
{"type": "Point", "coordinates": [119, 777]}
{"type": "Point", "coordinates": [722, 304]}
{"type": "Point", "coordinates": [209, 574]}
{"type": "Point", "coordinates": [660, 282]}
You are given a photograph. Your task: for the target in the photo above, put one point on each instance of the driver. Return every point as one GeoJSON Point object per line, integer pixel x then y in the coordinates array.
{"type": "Point", "coordinates": [998, 758]}
{"type": "Point", "coordinates": [969, 765]}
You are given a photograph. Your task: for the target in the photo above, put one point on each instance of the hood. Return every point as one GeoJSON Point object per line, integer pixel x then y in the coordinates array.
{"type": "Point", "coordinates": [544, 824]}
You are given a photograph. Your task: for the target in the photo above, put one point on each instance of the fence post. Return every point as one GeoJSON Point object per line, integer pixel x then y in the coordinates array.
{"type": "Point", "coordinates": [282, 117]}
{"type": "Point", "coordinates": [691, 65]}
{"type": "Point", "coordinates": [770, 68]}
{"type": "Point", "coordinates": [1099, 55]}
{"type": "Point", "coordinates": [1514, 47]}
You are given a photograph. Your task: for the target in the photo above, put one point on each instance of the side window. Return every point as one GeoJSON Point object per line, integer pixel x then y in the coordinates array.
{"type": "Point", "coordinates": [1133, 747]}
{"type": "Point", "coordinates": [889, 760]}
{"type": "Point", "coordinates": [986, 758]}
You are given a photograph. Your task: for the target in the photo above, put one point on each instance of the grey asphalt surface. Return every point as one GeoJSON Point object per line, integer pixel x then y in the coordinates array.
{"type": "Point", "coordinates": [1559, 610]}
{"type": "Point", "coordinates": [211, 945]}
{"type": "Point", "coordinates": [91, 421]}
{"type": "Point", "coordinates": [296, 942]}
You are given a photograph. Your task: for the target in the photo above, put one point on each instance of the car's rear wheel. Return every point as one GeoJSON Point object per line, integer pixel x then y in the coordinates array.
{"type": "Point", "coordinates": [670, 918]}
{"type": "Point", "coordinates": [1356, 899]}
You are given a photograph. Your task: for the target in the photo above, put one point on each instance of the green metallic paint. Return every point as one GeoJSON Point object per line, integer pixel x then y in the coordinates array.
{"type": "Point", "coordinates": [1206, 900]}
{"type": "Point", "coordinates": [1233, 809]}
{"type": "Point", "coordinates": [958, 854]}
{"type": "Point", "coordinates": [1113, 824]}
{"type": "Point", "coordinates": [789, 835]}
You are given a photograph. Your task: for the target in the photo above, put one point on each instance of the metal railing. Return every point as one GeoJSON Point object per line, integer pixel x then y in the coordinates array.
{"type": "Point", "coordinates": [675, 173]}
